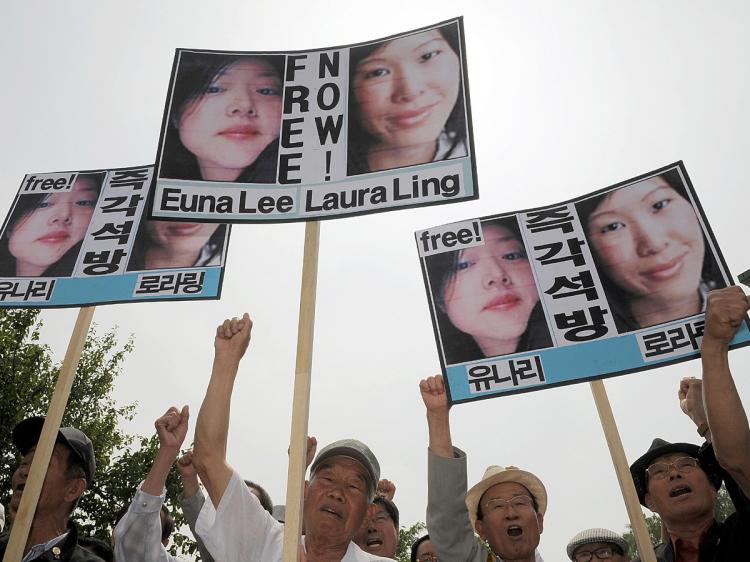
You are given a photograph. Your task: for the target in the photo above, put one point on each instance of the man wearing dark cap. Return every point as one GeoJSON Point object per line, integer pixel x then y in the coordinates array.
{"type": "Point", "coordinates": [598, 544]}
{"type": "Point", "coordinates": [505, 508]}
{"type": "Point", "coordinates": [71, 470]}
{"type": "Point", "coordinates": [678, 481]}
{"type": "Point", "coordinates": [234, 526]}
{"type": "Point", "coordinates": [379, 531]}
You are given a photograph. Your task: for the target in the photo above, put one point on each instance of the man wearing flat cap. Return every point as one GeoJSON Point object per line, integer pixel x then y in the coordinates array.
{"type": "Point", "coordinates": [71, 470]}
{"type": "Point", "coordinates": [679, 480]}
{"type": "Point", "coordinates": [598, 544]}
{"type": "Point", "coordinates": [506, 507]}
{"type": "Point", "coordinates": [234, 526]}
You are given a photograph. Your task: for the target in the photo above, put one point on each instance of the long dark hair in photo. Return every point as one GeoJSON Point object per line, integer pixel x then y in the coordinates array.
{"type": "Point", "coordinates": [195, 73]}
{"type": "Point", "coordinates": [458, 346]}
{"type": "Point", "coordinates": [617, 297]}
{"type": "Point", "coordinates": [25, 205]}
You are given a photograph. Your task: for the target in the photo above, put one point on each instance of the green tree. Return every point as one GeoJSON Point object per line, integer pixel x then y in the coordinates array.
{"type": "Point", "coordinates": [723, 508]}
{"type": "Point", "coordinates": [27, 377]}
{"type": "Point", "coordinates": [407, 537]}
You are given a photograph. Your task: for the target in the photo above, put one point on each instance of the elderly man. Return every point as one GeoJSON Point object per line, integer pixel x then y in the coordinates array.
{"type": "Point", "coordinates": [506, 507]}
{"type": "Point", "coordinates": [598, 544]}
{"type": "Point", "coordinates": [679, 480]}
{"type": "Point", "coordinates": [379, 531]}
{"type": "Point", "coordinates": [234, 526]}
{"type": "Point", "coordinates": [71, 470]}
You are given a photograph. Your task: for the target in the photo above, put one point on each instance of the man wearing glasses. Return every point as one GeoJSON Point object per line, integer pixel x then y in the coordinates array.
{"type": "Point", "coordinates": [506, 508]}
{"type": "Point", "coordinates": [678, 481]}
{"type": "Point", "coordinates": [598, 544]}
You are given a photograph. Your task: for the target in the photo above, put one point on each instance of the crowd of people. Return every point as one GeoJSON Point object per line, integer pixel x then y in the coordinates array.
{"type": "Point", "coordinates": [349, 514]}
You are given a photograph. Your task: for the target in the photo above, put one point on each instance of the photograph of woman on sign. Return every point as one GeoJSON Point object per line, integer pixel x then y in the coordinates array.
{"type": "Point", "coordinates": [224, 118]}
{"type": "Point", "coordinates": [170, 245]}
{"type": "Point", "coordinates": [407, 101]}
{"type": "Point", "coordinates": [44, 232]}
{"type": "Point", "coordinates": [651, 252]}
{"type": "Point", "coordinates": [486, 301]}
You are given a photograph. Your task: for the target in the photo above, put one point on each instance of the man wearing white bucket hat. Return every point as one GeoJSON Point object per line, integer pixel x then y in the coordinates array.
{"type": "Point", "coordinates": [506, 507]}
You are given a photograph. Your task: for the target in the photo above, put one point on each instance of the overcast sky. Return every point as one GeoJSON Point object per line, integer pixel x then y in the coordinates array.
{"type": "Point", "coordinates": [567, 97]}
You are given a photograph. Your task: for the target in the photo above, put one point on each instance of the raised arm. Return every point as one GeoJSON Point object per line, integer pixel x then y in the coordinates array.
{"type": "Point", "coordinates": [727, 420]}
{"type": "Point", "coordinates": [435, 401]}
{"type": "Point", "coordinates": [447, 517]}
{"type": "Point", "coordinates": [210, 450]}
{"type": "Point", "coordinates": [138, 533]}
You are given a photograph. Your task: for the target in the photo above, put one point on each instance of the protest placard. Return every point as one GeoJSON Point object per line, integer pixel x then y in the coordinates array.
{"type": "Point", "coordinates": [82, 237]}
{"type": "Point", "coordinates": [605, 284]}
{"type": "Point", "coordinates": [275, 137]}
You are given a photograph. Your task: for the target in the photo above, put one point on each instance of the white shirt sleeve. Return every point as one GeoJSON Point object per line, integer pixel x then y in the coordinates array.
{"type": "Point", "coordinates": [138, 533]}
{"type": "Point", "coordinates": [239, 529]}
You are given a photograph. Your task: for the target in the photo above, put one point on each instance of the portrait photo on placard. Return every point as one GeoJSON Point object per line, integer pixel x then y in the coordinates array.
{"type": "Point", "coordinates": [44, 231]}
{"type": "Point", "coordinates": [406, 101]}
{"type": "Point", "coordinates": [485, 300]}
{"type": "Point", "coordinates": [224, 118]}
{"type": "Point", "coordinates": [652, 253]}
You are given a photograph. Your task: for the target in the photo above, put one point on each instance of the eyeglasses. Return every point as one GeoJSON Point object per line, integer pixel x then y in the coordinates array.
{"type": "Point", "coordinates": [660, 470]}
{"type": "Point", "coordinates": [428, 558]}
{"type": "Point", "coordinates": [602, 553]}
{"type": "Point", "coordinates": [517, 502]}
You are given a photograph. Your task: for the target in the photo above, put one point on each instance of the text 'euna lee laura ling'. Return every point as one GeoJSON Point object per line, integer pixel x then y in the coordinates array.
{"type": "Point", "coordinates": [174, 199]}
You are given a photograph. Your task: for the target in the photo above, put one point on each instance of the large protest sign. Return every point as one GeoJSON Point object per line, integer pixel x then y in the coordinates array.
{"type": "Point", "coordinates": [81, 237]}
{"type": "Point", "coordinates": [250, 136]}
{"type": "Point", "coordinates": [609, 283]}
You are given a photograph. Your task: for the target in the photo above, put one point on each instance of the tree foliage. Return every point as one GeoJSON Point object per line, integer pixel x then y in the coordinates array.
{"type": "Point", "coordinates": [27, 377]}
{"type": "Point", "coordinates": [407, 537]}
{"type": "Point", "coordinates": [723, 508]}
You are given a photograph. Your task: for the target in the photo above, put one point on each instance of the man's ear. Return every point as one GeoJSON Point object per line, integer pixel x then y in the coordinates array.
{"type": "Point", "coordinates": [307, 483]}
{"type": "Point", "coordinates": [648, 501]}
{"type": "Point", "coordinates": [540, 522]}
{"type": "Point", "coordinates": [480, 529]}
{"type": "Point", "coordinates": [75, 487]}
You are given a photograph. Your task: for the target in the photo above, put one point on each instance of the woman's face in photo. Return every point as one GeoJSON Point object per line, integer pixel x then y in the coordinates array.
{"type": "Point", "coordinates": [649, 239]}
{"type": "Point", "coordinates": [43, 236]}
{"type": "Point", "coordinates": [178, 238]}
{"type": "Point", "coordinates": [234, 120]}
{"type": "Point", "coordinates": [407, 89]}
{"type": "Point", "coordinates": [492, 292]}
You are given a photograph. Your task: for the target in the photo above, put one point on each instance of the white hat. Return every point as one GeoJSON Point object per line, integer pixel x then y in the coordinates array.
{"type": "Point", "coordinates": [497, 474]}
{"type": "Point", "coordinates": [590, 536]}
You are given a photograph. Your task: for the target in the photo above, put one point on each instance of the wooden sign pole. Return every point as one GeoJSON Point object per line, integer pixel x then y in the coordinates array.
{"type": "Point", "coordinates": [622, 470]}
{"type": "Point", "coordinates": [301, 400]}
{"type": "Point", "coordinates": [22, 522]}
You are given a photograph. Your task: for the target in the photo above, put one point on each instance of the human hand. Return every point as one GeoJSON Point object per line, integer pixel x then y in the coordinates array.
{"type": "Point", "coordinates": [691, 399]}
{"type": "Point", "coordinates": [233, 337]}
{"type": "Point", "coordinates": [725, 312]}
{"type": "Point", "coordinates": [434, 395]}
{"type": "Point", "coordinates": [185, 466]}
{"type": "Point", "coordinates": [172, 427]}
{"type": "Point", "coordinates": [387, 489]}
{"type": "Point", "coordinates": [312, 447]}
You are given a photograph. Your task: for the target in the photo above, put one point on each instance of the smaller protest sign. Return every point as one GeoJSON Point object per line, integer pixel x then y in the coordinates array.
{"type": "Point", "coordinates": [80, 238]}
{"type": "Point", "coordinates": [608, 283]}
{"type": "Point", "coordinates": [307, 135]}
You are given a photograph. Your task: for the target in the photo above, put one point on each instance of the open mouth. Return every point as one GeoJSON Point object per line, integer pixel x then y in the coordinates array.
{"type": "Point", "coordinates": [374, 543]}
{"type": "Point", "coordinates": [514, 531]}
{"type": "Point", "coordinates": [679, 491]}
{"type": "Point", "coordinates": [330, 511]}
